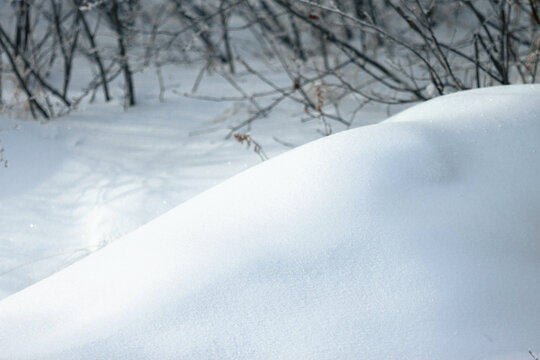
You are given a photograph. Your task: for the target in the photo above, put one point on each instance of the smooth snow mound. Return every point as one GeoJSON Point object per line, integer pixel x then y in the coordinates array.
{"type": "Point", "coordinates": [416, 238]}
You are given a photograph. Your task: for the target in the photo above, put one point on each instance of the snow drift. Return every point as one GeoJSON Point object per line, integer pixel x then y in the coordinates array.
{"type": "Point", "coordinates": [416, 238]}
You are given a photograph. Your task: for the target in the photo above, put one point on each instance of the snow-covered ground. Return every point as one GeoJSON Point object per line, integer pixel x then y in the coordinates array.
{"type": "Point", "coordinates": [76, 183]}
{"type": "Point", "coordinates": [415, 238]}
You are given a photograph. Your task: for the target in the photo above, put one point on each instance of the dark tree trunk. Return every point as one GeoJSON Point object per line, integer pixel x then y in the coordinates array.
{"type": "Point", "coordinates": [95, 54]}
{"type": "Point", "coordinates": [128, 78]}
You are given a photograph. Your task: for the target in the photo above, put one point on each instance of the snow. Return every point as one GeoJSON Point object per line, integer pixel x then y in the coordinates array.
{"type": "Point", "coordinates": [414, 238]}
{"type": "Point", "coordinates": [79, 182]}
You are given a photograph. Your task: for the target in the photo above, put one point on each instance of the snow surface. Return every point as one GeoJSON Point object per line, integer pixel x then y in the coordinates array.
{"type": "Point", "coordinates": [415, 238]}
{"type": "Point", "coordinates": [76, 183]}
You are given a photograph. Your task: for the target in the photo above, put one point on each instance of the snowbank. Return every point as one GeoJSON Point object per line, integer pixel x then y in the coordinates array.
{"type": "Point", "coordinates": [416, 238]}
